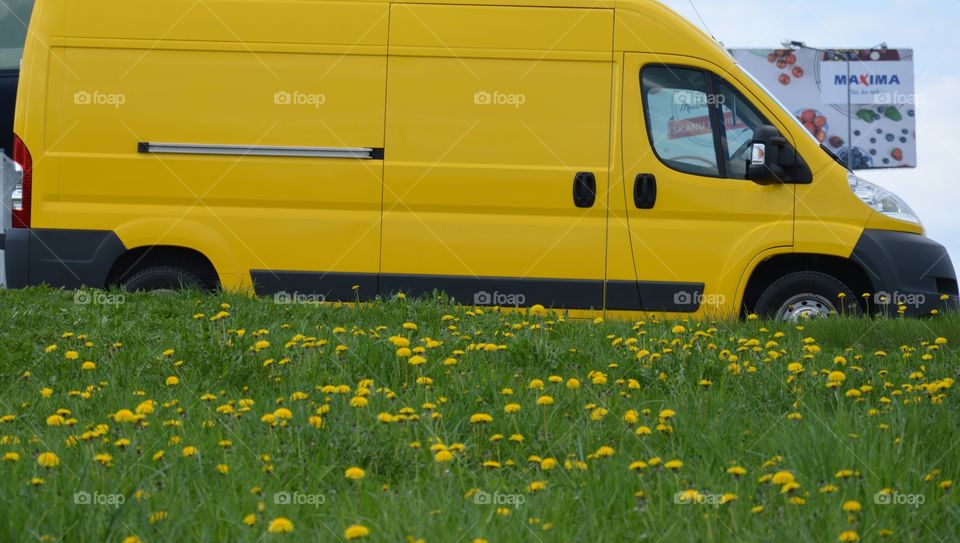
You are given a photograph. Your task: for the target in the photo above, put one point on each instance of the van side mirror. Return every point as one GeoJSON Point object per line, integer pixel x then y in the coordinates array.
{"type": "Point", "coordinates": [774, 160]}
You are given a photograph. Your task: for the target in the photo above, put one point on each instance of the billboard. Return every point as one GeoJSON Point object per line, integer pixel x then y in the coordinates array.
{"type": "Point", "coordinates": [814, 85]}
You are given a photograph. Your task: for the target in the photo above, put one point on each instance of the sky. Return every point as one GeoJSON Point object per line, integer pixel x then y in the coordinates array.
{"type": "Point", "coordinates": [929, 27]}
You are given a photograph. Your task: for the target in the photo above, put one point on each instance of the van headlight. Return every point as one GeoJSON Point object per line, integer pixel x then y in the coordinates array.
{"type": "Point", "coordinates": [882, 200]}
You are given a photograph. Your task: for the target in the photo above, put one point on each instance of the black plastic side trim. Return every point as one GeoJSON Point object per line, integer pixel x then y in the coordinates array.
{"type": "Point", "coordinates": [480, 291]}
{"type": "Point", "coordinates": [501, 291]}
{"type": "Point", "coordinates": [292, 286]}
{"type": "Point", "coordinates": [60, 258]}
{"type": "Point", "coordinates": [654, 296]}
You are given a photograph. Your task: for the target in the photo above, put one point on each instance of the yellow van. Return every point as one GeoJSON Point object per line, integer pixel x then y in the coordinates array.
{"type": "Point", "coordinates": [600, 156]}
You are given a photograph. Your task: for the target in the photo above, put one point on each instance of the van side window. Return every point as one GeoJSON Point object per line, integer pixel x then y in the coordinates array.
{"type": "Point", "coordinates": [680, 119]}
{"type": "Point", "coordinates": [740, 121]}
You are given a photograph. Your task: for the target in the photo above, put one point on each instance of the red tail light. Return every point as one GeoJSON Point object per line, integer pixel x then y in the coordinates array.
{"type": "Point", "coordinates": [21, 155]}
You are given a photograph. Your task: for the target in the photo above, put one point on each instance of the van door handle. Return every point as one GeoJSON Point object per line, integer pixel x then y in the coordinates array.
{"type": "Point", "coordinates": [645, 191]}
{"type": "Point", "coordinates": [584, 189]}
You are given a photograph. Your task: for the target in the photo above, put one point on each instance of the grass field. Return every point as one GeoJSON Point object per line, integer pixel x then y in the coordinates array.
{"type": "Point", "coordinates": [221, 418]}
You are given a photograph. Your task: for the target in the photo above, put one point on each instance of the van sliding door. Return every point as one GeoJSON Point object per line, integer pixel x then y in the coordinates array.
{"type": "Point", "coordinates": [497, 154]}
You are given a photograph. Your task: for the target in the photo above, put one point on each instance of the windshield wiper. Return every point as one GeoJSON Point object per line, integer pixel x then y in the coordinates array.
{"type": "Point", "coordinates": [833, 155]}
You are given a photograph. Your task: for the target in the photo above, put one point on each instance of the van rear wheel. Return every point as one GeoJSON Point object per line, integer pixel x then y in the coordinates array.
{"type": "Point", "coordinates": [807, 294]}
{"type": "Point", "coordinates": [163, 279]}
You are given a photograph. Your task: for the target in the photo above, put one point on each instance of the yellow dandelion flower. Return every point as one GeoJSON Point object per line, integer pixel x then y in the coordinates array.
{"type": "Point", "coordinates": [280, 525]}
{"type": "Point", "coordinates": [782, 478]}
{"type": "Point", "coordinates": [852, 506]}
{"type": "Point", "coordinates": [480, 418]}
{"type": "Point", "coordinates": [605, 451]}
{"type": "Point", "coordinates": [536, 486]}
{"type": "Point", "coordinates": [356, 531]}
{"type": "Point", "coordinates": [48, 460]}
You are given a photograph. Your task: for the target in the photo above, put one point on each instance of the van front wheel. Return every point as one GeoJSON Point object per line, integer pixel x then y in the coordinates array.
{"type": "Point", "coordinates": [163, 279]}
{"type": "Point", "coordinates": [807, 294]}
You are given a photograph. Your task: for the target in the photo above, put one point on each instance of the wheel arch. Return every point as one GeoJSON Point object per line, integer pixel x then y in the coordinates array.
{"type": "Point", "coordinates": [774, 267]}
{"type": "Point", "coordinates": [139, 258]}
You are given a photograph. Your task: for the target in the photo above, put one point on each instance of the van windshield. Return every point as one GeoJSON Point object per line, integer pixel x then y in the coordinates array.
{"type": "Point", "coordinates": [14, 18]}
{"type": "Point", "coordinates": [778, 102]}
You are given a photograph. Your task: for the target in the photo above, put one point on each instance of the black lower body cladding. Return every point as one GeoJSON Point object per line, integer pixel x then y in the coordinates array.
{"type": "Point", "coordinates": [286, 287]}
{"type": "Point", "coordinates": [60, 258]}
{"type": "Point", "coordinates": [906, 270]}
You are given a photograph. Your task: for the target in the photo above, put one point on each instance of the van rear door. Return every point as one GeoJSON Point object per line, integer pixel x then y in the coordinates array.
{"type": "Point", "coordinates": [497, 154]}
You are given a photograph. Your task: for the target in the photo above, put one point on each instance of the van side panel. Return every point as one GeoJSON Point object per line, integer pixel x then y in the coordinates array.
{"type": "Point", "coordinates": [267, 75]}
{"type": "Point", "coordinates": [491, 113]}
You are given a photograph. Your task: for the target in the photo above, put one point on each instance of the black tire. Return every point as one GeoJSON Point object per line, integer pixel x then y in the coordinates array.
{"type": "Point", "coordinates": [163, 278]}
{"type": "Point", "coordinates": [807, 293]}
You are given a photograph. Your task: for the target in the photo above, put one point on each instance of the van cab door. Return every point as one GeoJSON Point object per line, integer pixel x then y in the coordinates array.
{"type": "Point", "coordinates": [695, 222]}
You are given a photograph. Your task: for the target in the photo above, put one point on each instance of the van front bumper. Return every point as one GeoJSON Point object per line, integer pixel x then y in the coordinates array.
{"type": "Point", "coordinates": [910, 273]}
{"type": "Point", "coordinates": [59, 258]}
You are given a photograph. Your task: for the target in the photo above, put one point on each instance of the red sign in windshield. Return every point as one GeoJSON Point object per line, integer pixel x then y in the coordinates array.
{"type": "Point", "coordinates": [698, 126]}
